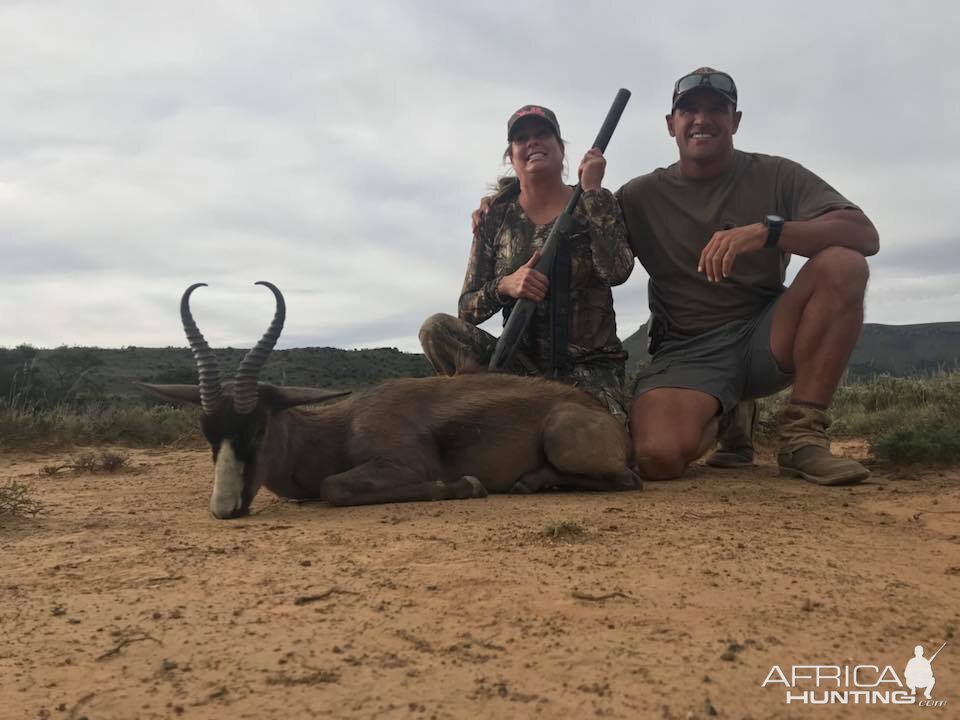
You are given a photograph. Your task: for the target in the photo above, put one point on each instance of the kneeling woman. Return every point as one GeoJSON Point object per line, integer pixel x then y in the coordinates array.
{"type": "Point", "coordinates": [573, 333]}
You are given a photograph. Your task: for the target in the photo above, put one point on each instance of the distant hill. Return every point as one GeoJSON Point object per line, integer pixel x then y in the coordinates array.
{"type": "Point", "coordinates": [36, 376]}
{"type": "Point", "coordinates": [900, 350]}
{"type": "Point", "coordinates": [906, 350]}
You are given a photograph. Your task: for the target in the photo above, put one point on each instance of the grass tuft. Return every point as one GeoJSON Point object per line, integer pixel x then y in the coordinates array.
{"type": "Point", "coordinates": [564, 531]}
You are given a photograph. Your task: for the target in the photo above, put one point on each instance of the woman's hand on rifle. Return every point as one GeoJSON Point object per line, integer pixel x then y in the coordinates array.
{"type": "Point", "coordinates": [591, 169]}
{"type": "Point", "coordinates": [525, 282]}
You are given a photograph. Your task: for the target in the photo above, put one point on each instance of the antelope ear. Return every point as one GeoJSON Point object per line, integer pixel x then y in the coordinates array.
{"type": "Point", "coordinates": [180, 394]}
{"type": "Point", "coordinates": [279, 398]}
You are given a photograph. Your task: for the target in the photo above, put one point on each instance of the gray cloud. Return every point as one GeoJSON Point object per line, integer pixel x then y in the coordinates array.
{"type": "Point", "coordinates": [338, 149]}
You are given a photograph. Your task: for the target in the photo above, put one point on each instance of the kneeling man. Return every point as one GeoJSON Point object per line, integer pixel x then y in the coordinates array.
{"type": "Point", "coordinates": [715, 232]}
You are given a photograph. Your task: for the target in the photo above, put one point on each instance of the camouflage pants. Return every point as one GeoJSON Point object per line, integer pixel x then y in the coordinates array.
{"type": "Point", "coordinates": [453, 346]}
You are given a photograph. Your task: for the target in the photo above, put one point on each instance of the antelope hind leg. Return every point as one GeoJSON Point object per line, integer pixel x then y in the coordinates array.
{"type": "Point", "coordinates": [376, 482]}
{"type": "Point", "coordinates": [590, 445]}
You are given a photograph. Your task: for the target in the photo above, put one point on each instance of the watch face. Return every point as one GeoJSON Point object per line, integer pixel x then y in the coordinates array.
{"type": "Point", "coordinates": [773, 219]}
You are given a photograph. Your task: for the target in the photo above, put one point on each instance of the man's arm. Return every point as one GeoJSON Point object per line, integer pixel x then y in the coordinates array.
{"type": "Point", "coordinates": [838, 228]}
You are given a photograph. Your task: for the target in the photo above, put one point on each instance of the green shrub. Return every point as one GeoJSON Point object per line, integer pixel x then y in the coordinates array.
{"type": "Point", "coordinates": [929, 442]}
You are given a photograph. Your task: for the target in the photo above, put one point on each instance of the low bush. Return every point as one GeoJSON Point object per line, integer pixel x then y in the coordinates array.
{"type": "Point", "coordinates": [16, 499]}
{"type": "Point", "coordinates": [929, 442]}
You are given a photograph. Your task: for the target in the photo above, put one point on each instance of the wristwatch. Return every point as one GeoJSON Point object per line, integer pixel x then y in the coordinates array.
{"type": "Point", "coordinates": [774, 224]}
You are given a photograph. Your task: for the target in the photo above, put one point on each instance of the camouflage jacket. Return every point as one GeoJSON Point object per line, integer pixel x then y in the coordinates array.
{"type": "Point", "coordinates": [600, 257]}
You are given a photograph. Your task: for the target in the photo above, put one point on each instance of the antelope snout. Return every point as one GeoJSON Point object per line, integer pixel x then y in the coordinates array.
{"type": "Point", "coordinates": [228, 510]}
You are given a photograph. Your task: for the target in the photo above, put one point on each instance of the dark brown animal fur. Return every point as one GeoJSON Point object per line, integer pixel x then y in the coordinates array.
{"type": "Point", "coordinates": [427, 439]}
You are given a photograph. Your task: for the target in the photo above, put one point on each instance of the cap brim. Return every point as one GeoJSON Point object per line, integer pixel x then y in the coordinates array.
{"type": "Point", "coordinates": [531, 118]}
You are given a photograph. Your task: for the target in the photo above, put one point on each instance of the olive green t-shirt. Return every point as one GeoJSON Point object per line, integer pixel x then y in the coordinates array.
{"type": "Point", "coordinates": [670, 219]}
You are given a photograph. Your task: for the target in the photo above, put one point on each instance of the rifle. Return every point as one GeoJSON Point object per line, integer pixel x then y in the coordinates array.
{"type": "Point", "coordinates": [519, 319]}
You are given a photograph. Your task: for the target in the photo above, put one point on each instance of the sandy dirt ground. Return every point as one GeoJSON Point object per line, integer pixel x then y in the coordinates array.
{"type": "Point", "coordinates": [125, 599]}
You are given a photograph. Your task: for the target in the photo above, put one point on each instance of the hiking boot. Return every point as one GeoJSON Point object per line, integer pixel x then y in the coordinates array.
{"type": "Point", "coordinates": [735, 437]}
{"type": "Point", "coordinates": [805, 449]}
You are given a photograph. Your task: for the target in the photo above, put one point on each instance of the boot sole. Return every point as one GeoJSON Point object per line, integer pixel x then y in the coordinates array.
{"type": "Point", "coordinates": [848, 479]}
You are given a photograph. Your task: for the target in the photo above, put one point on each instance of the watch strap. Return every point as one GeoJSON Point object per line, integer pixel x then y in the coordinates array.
{"type": "Point", "coordinates": [774, 228]}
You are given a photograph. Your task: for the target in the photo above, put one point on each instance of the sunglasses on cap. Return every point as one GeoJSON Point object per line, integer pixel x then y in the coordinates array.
{"type": "Point", "coordinates": [719, 81]}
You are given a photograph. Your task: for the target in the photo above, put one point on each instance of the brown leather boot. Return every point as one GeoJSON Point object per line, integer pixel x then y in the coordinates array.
{"type": "Point", "coordinates": [735, 437]}
{"type": "Point", "coordinates": [805, 449]}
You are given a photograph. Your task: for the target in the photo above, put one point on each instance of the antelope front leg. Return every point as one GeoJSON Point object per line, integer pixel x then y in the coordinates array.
{"type": "Point", "coordinates": [378, 481]}
{"type": "Point", "coordinates": [545, 477]}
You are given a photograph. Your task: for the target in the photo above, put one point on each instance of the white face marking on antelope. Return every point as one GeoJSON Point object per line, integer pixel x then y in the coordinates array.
{"type": "Point", "coordinates": [227, 498]}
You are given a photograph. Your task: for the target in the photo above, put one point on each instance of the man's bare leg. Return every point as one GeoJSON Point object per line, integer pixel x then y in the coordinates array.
{"type": "Point", "coordinates": [671, 427]}
{"type": "Point", "coordinates": [815, 328]}
{"type": "Point", "coordinates": [818, 321]}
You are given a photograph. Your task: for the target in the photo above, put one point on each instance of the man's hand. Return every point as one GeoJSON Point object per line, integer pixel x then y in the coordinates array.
{"type": "Point", "coordinates": [716, 260]}
{"type": "Point", "coordinates": [525, 282]}
{"type": "Point", "coordinates": [591, 169]}
{"type": "Point", "coordinates": [476, 217]}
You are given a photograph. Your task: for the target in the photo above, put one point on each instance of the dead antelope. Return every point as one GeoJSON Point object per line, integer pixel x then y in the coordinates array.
{"type": "Point", "coordinates": [437, 438]}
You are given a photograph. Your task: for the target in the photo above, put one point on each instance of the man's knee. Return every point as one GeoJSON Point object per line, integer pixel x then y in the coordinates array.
{"type": "Point", "coordinates": [668, 426]}
{"type": "Point", "coordinates": [664, 456]}
{"type": "Point", "coordinates": [659, 461]}
{"type": "Point", "coordinates": [842, 272]}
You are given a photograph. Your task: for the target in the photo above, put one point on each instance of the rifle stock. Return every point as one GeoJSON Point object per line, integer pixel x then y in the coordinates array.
{"type": "Point", "coordinates": [519, 319]}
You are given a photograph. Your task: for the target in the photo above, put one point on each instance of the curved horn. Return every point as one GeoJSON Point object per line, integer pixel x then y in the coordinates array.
{"type": "Point", "coordinates": [207, 365]}
{"type": "Point", "coordinates": [245, 386]}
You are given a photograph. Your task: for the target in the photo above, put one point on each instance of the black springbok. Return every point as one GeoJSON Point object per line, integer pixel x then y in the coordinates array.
{"type": "Point", "coordinates": [437, 438]}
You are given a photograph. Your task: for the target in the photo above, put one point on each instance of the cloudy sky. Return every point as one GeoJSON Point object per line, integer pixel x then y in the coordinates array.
{"type": "Point", "coordinates": [337, 149]}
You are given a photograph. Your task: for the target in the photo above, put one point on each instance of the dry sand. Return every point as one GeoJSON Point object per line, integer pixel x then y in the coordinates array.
{"type": "Point", "coordinates": [125, 599]}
